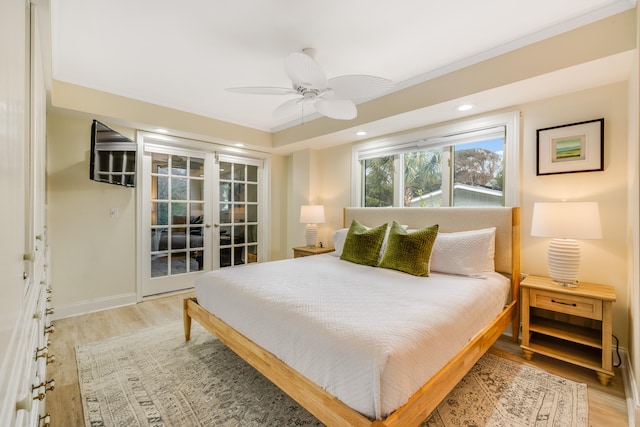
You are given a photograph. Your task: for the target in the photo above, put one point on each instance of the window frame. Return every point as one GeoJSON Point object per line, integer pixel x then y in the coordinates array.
{"type": "Point", "coordinates": [437, 137]}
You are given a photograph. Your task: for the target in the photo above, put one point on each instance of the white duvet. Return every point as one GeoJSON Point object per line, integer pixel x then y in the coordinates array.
{"type": "Point", "coordinates": [369, 336]}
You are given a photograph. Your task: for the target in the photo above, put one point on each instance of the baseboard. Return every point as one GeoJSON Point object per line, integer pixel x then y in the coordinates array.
{"type": "Point", "coordinates": [90, 306]}
{"type": "Point", "coordinates": [630, 388]}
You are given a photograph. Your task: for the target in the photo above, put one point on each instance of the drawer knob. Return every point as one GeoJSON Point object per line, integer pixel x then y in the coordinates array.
{"type": "Point", "coordinates": [24, 403]}
{"type": "Point", "coordinates": [48, 386]}
{"type": "Point", "coordinates": [45, 420]}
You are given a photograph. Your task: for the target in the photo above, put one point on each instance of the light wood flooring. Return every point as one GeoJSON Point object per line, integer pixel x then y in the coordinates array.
{"type": "Point", "coordinates": [607, 405]}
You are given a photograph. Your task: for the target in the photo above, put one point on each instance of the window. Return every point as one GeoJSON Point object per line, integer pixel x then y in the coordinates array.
{"type": "Point", "coordinates": [470, 163]}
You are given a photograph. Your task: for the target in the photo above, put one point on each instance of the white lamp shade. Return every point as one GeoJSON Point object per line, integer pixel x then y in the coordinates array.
{"type": "Point", "coordinates": [312, 214]}
{"type": "Point", "coordinates": [566, 220]}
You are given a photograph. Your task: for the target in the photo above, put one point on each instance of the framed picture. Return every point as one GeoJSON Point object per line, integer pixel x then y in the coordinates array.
{"type": "Point", "coordinates": [577, 147]}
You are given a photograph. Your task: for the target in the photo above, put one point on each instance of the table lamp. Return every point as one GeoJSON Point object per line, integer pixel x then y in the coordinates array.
{"type": "Point", "coordinates": [565, 222]}
{"type": "Point", "coordinates": [311, 215]}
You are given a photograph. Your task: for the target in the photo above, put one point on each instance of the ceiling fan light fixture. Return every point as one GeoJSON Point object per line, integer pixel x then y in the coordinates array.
{"type": "Point", "coordinates": [334, 98]}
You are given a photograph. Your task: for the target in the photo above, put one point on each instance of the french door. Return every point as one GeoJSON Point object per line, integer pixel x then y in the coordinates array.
{"type": "Point", "coordinates": [199, 211]}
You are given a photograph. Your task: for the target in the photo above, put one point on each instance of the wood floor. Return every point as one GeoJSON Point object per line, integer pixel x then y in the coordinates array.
{"type": "Point", "coordinates": [607, 405]}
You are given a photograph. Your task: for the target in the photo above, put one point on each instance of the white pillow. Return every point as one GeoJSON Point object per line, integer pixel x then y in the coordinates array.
{"type": "Point", "coordinates": [340, 235]}
{"type": "Point", "coordinates": [467, 253]}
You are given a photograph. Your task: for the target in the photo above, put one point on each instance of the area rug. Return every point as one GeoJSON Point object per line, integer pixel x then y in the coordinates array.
{"type": "Point", "coordinates": [153, 378]}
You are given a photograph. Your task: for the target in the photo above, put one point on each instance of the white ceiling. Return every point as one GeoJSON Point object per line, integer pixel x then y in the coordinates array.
{"type": "Point", "coordinates": [183, 54]}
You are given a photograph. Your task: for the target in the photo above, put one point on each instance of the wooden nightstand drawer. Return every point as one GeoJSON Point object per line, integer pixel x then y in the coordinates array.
{"type": "Point", "coordinates": [569, 304]}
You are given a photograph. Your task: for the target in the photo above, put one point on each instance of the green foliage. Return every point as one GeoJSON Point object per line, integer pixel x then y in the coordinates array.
{"type": "Point", "coordinates": [378, 182]}
{"type": "Point", "coordinates": [422, 173]}
{"type": "Point", "coordinates": [478, 167]}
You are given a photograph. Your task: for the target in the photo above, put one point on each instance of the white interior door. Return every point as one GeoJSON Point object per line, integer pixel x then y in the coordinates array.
{"type": "Point", "coordinates": [177, 211]}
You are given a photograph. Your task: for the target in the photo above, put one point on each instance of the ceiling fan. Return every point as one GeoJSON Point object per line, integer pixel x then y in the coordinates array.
{"type": "Point", "coordinates": [334, 98]}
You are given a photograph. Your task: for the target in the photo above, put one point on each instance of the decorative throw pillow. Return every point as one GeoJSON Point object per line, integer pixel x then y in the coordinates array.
{"type": "Point", "coordinates": [467, 253]}
{"type": "Point", "coordinates": [338, 237]}
{"type": "Point", "coordinates": [362, 245]}
{"type": "Point", "coordinates": [409, 252]}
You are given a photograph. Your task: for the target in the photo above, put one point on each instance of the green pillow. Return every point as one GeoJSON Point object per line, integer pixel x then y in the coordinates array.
{"type": "Point", "coordinates": [409, 252]}
{"type": "Point", "coordinates": [362, 245]}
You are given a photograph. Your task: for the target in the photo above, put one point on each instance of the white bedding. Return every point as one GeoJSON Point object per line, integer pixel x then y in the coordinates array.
{"type": "Point", "coordinates": [369, 336]}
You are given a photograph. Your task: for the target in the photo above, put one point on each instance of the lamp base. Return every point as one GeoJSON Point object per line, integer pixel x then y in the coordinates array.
{"type": "Point", "coordinates": [311, 235]}
{"type": "Point", "coordinates": [564, 261]}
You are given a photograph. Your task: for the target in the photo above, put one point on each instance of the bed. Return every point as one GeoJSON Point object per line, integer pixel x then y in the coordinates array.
{"type": "Point", "coordinates": [353, 376]}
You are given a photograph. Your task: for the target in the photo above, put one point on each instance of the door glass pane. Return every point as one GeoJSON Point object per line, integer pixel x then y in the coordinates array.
{"type": "Point", "coordinates": [159, 164]}
{"type": "Point", "coordinates": [238, 172]}
{"type": "Point", "coordinates": [178, 165]}
{"type": "Point", "coordinates": [196, 237]}
{"type": "Point", "coordinates": [179, 263]}
{"type": "Point", "coordinates": [252, 255]}
{"type": "Point", "coordinates": [239, 213]}
{"type": "Point", "coordinates": [225, 236]}
{"type": "Point", "coordinates": [159, 213]}
{"type": "Point", "coordinates": [225, 171]}
{"type": "Point", "coordinates": [225, 257]}
{"type": "Point", "coordinates": [196, 262]}
{"type": "Point", "coordinates": [238, 234]}
{"type": "Point", "coordinates": [225, 191]}
{"type": "Point", "coordinates": [252, 213]}
{"type": "Point", "coordinates": [423, 178]}
{"type": "Point", "coordinates": [238, 192]}
{"type": "Point", "coordinates": [159, 265]}
{"type": "Point", "coordinates": [238, 255]}
{"type": "Point", "coordinates": [196, 189]}
{"type": "Point", "coordinates": [252, 193]}
{"type": "Point", "coordinates": [178, 188]}
{"type": "Point", "coordinates": [196, 167]}
{"type": "Point", "coordinates": [252, 233]}
{"type": "Point", "coordinates": [159, 187]}
{"type": "Point", "coordinates": [196, 211]}
{"type": "Point", "coordinates": [252, 173]}
{"type": "Point", "coordinates": [178, 213]}
{"type": "Point", "coordinates": [225, 213]}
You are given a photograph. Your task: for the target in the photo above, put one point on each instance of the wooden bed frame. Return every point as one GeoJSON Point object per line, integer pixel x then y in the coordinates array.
{"type": "Point", "coordinates": [328, 409]}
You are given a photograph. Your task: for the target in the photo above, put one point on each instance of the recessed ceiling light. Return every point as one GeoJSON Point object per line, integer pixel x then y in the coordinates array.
{"type": "Point", "coordinates": [361, 133]}
{"type": "Point", "coordinates": [160, 130]}
{"type": "Point", "coordinates": [465, 107]}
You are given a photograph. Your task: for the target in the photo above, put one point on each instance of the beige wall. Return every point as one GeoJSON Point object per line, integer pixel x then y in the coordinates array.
{"type": "Point", "coordinates": [604, 261]}
{"type": "Point", "coordinates": [94, 255]}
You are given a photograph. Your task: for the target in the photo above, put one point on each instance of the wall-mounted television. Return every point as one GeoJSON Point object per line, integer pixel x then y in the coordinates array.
{"type": "Point", "coordinates": [113, 156]}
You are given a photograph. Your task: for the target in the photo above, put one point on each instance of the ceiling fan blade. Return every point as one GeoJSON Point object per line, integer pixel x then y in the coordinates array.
{"type": "Point", "coordinates": [289, 108]}
{"type": "Point", "coordinates": [305, 71]}
{"type": "Point", "coordinates": [341, 109]}
{"type": "Point", "coordinates": [357, 86]}
{"type": "Point", "coordinates": [262, 90]}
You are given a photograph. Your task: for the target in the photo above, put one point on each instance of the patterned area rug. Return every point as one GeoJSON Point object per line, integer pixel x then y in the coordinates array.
{"type": "Point", "coordinates": [153, 378]}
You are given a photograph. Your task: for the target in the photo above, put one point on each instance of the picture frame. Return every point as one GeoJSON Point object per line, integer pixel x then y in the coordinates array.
{"type": "Point", "coordinates": [576, 147]}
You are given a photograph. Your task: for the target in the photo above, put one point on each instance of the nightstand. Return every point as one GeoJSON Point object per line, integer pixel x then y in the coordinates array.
{"type": "Point", "coordinates": [307, 251]}
{"type": "Point", "coordinates": [569, 324]}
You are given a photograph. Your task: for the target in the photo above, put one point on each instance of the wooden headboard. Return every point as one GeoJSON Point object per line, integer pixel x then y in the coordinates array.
{"type": "Point", "coordinates": [506, 220]}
